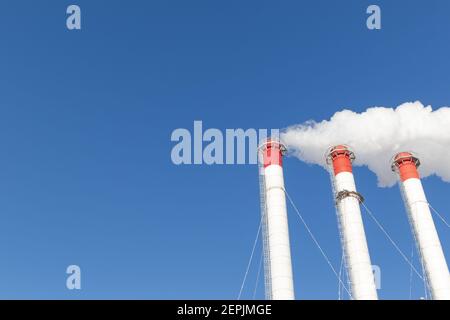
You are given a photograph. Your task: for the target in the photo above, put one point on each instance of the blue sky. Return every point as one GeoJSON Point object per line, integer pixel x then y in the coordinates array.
{"type": "Point", "coordinates": [86, 117]}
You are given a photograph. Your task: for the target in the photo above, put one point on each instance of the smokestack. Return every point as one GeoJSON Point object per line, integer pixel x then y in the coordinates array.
{"type": "Point", "coordinates": [422, 225]}
{"type": "Point", "coordinates": [374, 134]}
{"type": "Point", "coordinates": [353, 237]}
{"type": "Point", "coordinates": [277, 251]}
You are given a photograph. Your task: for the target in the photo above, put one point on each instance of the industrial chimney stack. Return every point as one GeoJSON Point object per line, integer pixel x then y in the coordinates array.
{"type": "Point", "coordinates": [277, 252]}
{"type": "Point", "coordinates": [351, 227]}
{"type": "Point", "coordinates": [422, 225]}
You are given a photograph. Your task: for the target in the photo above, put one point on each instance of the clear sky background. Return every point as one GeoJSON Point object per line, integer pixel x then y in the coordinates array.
{"type": "Point", "coordinates": [86, 116]}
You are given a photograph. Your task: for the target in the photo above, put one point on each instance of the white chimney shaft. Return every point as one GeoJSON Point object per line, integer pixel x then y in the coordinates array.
{"type": "Point", "coordinates": [279, 251]}
{"type": "Point", "coordinates": [354, 241]}
{"type": "Point", "coordinates": [422, 225]}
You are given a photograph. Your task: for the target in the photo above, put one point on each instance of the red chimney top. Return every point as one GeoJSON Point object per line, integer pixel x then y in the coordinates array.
{"type": "Point", "coordinates": [406, 164]}
{"type": "Point", "coordinates": [341, 157]}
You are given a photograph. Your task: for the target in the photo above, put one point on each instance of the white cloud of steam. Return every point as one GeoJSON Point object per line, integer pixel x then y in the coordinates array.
{"type": "Point", "coordinates": [376, 135]}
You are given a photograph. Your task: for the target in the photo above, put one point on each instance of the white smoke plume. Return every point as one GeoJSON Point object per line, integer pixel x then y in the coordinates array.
{"type": "Point", "coordinates": [376, 135]}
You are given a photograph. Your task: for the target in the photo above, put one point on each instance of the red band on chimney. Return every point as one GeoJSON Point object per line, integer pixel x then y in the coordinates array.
{"type": "Point", "coordinates": [406, 164]}
{"type": "Point", "coordinates": [273, 154]}
{"type": "Point", "coordinates": [341, 157]}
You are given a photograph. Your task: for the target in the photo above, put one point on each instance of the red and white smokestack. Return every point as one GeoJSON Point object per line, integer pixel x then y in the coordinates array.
{"type": "Point", "coordinates": [278, 251]}
{"type": "Point", "coordinates": [422, 225]}
{"type": "Point", "coordinates": [354, 243]}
